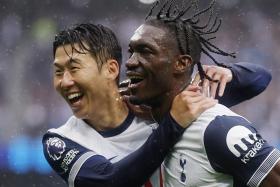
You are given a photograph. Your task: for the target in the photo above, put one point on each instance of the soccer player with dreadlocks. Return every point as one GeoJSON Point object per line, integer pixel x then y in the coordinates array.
{"type": "Point", "coordinates": [221, 148]}
{"type": "Point", "coordinates": [104, 144]}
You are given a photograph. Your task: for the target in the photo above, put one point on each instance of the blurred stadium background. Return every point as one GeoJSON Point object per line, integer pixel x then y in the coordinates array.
{"type": "Point", "coordinates": [29, 105]}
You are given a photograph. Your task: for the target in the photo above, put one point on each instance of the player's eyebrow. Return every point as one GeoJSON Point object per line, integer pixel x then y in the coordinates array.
{"type": "Point", "coordinates": [138, 45]}
{"type": "Point", "coordinates": [68, 62]}
{"type": "Point", "coordinates": [74, 60]}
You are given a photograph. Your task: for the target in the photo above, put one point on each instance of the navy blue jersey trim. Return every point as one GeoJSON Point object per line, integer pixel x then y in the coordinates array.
{"type": "Point", "coordinates": [264, 169]}
{"type": "Point", "coordinates": [127, 122]}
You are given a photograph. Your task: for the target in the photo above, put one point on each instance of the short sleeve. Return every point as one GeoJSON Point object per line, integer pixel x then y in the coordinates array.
{"type": "Point", "coordinates": [64, 155]}
{"type": "Point", "coordinates": [234, 147]}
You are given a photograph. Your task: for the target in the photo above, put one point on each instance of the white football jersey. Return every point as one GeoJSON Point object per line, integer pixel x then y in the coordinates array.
{"type": "Point", "coordinates": [220, 149]}
{"type": "Point", "coordinates": [67, 147]}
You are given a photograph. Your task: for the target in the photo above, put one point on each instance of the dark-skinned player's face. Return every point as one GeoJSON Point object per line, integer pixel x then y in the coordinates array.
{"type": "Point", "coordinates": [150, 66]}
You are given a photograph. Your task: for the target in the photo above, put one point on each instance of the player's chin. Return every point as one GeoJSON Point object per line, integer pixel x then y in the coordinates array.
{"type": "Point", "coordinates": [135, 100]}
{"type": "Point", "coordinates": [80, 114]}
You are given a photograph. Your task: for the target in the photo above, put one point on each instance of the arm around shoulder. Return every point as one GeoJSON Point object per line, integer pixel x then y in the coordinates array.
{"type": "Point", "coordinates": [81, 167]}
{"type": "Point", "coordinates": [249, 80]}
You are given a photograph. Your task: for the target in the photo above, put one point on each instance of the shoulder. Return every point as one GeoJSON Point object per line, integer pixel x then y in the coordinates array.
{"type": "Point", "coordinates": [212, 115]}
{"type": "Point", "coordinates": [235, 147]}
{"type": "Point", "coordinates": [69, 124]}
{"type": "Point", "coordinates": [61, 153]}
{"type": "Point", "coordinates": [195, 134]}
{"type": "Point", "coordinates": [225, 132]}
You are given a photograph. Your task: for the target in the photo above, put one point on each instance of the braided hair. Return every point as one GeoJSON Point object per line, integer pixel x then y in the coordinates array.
{"type": "Point", "coordinates": [192, 38]}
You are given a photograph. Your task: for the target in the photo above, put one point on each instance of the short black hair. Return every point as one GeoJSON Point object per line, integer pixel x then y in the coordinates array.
{"type": "Point", "coordinates": [98, 40]}
{"type": "Point", "coordinates": [191, 37]}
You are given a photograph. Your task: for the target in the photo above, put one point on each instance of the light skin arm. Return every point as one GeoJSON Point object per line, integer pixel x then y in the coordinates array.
{"type": "Point", "coordinates": [240, 82]}
{"type": "Point", "coordinates": [189, 104]}
{"type": "Point", "coordinates": [209, 88]}
{"type": "Point", "coordinates": [273, 178]}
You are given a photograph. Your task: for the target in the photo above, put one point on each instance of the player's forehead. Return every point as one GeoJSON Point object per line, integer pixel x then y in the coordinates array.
{"type": "Point", "coordinates": [69, 52]}
{"type": "Point", "coordinates": [148, 34]}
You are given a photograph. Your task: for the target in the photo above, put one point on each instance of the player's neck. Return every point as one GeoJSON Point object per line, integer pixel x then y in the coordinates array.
{"type": "Point", "coordinates": [163, 107]}
{"type": "Point", "coordinates": [165, 102]}
{"type": "Point", "coordinates": [110, 115]}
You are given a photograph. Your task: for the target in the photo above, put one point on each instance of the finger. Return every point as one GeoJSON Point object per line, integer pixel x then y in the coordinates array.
{"type": "Point", "coordinates": [210, 71]}
{"type": "Point", "coordinates": [205, 87]}
{"type": "Point", "coordinates": [196, 79]}
{"type": "Point", "coordinates": [214, 86]}
{"type": "Point", "coordinates": [192, 88]}
{"type": "Point", "coordinates": [222, 85]}
{"type": "Point", "coordinates": [206, 104]}
{"type": "Point", "coordinates": [189, 94]}
{"type": "Point", "coordinates": [193, 100]}
{"type": "Point", "coordinates": [205, 68]}
{"type": "Point", "coordinates": [213, 89]}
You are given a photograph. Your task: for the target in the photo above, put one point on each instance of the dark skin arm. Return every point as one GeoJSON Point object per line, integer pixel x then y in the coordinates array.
{"type": "Point", "coordinates": [273, 178]}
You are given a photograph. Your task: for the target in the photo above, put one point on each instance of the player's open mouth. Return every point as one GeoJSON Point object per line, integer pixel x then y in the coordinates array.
{"type": "Point", "coordinates": [74, 98]}
{"type": "Point", "coordinates": [135, 80]}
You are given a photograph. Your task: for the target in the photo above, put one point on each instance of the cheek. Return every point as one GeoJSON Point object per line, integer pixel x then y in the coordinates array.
{"type": "Point", "coordinates": [56, 84]}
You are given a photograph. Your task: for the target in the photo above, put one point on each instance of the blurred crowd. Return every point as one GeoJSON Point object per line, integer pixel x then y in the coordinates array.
{"type": "Point", "coordinates": [29, 105]}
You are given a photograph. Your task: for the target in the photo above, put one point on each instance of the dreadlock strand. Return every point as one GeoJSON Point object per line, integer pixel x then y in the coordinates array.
{"type": "Point", "coordinates": [186, 28]}
{"type": "Point", "coordinates": [180, 38]}
{"type": "Point", "coordinates": [202, 73]}
{"type": "Point", "coordinates": [182, 13]}
{"type": "Point", "coordinates": [212, 38]}
{"type": "Point", "coordinates": [160, 13]}
{"type": "Point", "coordinates": [214, 50]}
{"type": "Point", "coordinates": [213, 59]}
{"type": "Point", "coordinates": [212, 31]}
{"type": "Point", "coordinates": [204, 41]}
{"type": "Point", "coordinates": [176, 9]}
{"type": "Point", "coordinates": [186, 33]}
{"type": "Point", "coordinates": [205, 10]}
{"type": "Point", "coordinates": [169, 9]}
{"type": "Point", "coordinates": [196, 9]}
{"type": "Point", "coordinates": [207, 24]}
{"type": "Point", "coordinates": [214, 25]}
{"type": "Point", "coordinates": [151, 11]}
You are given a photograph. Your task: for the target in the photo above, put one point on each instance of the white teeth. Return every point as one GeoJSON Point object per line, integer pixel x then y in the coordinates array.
{"type": "Point", "coordinates": [71, 96]}
{"type": "Point", "coordinates": [135, 77]}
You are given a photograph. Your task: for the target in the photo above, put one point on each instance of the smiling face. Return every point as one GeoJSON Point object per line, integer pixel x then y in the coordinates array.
{"type": "Point", "coordinates": [78, 80]}
{"type": "Point", "coordinates": [150, 66]}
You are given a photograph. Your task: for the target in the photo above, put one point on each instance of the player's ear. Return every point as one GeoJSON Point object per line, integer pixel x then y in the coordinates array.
{"type": "Point", "coordinates": [111, 69]}
{"type": "Point", "coordinates": [183, 64]}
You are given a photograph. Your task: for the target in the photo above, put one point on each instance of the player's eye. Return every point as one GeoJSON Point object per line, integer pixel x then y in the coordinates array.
{"type": "Point", "coordinates": [58, 72]}
{"type": "Point", "coordinates": [74, 68]}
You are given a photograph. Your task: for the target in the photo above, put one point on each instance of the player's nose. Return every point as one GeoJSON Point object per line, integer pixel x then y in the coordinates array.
{"type": "Point", "coordinates": [66, 80]}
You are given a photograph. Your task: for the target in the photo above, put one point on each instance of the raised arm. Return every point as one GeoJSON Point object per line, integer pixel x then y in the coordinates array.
{"type": "Point", "coordinates": [248, 81]}
{"type": "Point", "coordinates": [241, 82]}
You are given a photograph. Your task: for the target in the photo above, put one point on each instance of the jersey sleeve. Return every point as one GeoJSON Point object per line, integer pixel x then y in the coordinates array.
{"type": "Point", "coordinates": [248, 81]}
{"type": "Point", "coordinates": [81, 167]}
{"type": "Point", "coordinates": [234, 147]}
